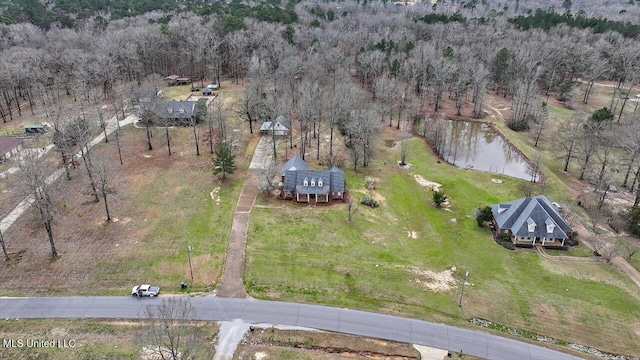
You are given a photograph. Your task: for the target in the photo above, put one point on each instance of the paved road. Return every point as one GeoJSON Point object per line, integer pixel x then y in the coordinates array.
{"type": "Point", "coordinates": [232, 285]}
{"type": "Point", "coordinates": [310, 316]}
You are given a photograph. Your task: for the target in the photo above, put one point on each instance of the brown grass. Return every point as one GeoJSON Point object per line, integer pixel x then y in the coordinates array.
{"type": "Point", "coordinates": [88, 246]}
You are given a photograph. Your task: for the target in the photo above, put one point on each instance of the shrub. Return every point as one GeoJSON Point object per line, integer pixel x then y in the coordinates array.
{"type": "Point", "coordinates": [505, 241]}
{"type": "Point", "coordinates": [367, 200]}
{"type": "Point", "coordinates": [602, 114]}
{"type": "Point", "coordinates": [439, 197]}
{"type": "Point", "coordinates": [483, 215]}
{"type": "Point", "coordinates": [633, 220]}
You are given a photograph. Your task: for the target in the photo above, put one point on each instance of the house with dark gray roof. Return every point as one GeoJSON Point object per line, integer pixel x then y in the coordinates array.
{"type": "Point", "coordinates": [304, 185]}
{"type": "Point", "coordinates": [280, 127]}
{"type": "Point", "coordinates": [530, 221]}
{"type": "Point", "coordinates": [178, 112]}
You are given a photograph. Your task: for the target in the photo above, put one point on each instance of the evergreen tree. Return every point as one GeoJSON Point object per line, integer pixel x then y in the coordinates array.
{"type": "Point", "coordinates": [224, 162]}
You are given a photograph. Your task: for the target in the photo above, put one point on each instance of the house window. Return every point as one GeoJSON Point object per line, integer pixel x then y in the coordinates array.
{"type": "Point", "coordinates": [305, 182]}
{"type": "Point", "coordinates": [313, 182]}
{"type": "Point", "coordinates": [169, 110]}
{"type": "Point", "coordinates": [181, 111]}
{"type": "Point", "coordinates": [531, 225]}
{"type": "Point", "coordinates": [319, 182]}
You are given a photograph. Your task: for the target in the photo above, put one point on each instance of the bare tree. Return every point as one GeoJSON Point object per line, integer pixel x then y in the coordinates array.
{"type": "Point", "coordinates": [542, 123]}
{"type": "Point", "coordinates": [104, 180]}
{"type": "Point", "coordinates": [80, 131]}
{"type": "Point", "coordinates": [569, 132]}
{"type": "Point", "coordinates": [405, 135]}
{"type": "Point", "coordinates": [269, 177]}
{"type": "Point", "coordinates": [602, 248]}
{"type": "Point", "coordinates": [170, 333]}
{"type": "Point", "coordinates": [33, 182]}
{"type": "Point", "coordinates": [4, 247]}
{"type": "Point", "coordinates": [628, 247]}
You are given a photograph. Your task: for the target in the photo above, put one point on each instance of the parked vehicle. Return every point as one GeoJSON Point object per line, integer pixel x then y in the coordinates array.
{"type": "Point", "coordinates": [145, 290]}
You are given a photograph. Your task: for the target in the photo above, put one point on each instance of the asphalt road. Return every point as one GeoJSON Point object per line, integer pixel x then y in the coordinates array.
{"type": "Point", "coordinates": [273, 312]}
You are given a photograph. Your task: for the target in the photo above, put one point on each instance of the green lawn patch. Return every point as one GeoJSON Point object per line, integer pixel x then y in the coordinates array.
{"type": "Point", "coordinates": [387, 257]}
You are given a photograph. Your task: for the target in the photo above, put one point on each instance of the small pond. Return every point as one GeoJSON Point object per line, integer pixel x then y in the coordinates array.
{"type": "Point", "coordinates": [475, 145]}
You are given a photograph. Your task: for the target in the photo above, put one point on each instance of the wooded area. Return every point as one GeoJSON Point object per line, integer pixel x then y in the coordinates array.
{"type": "Point", "coordinates": [346, 67]}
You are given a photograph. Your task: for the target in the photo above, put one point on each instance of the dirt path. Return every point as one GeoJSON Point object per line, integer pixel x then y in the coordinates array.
{"type": "Point", "coordinates": [573, 187]}
{"type": "Point", "coordinates": [232, 285]}
{"type": "Point", "coordinates": [617, 261]}
{"type": "Point", "coordinates": [544, 254]}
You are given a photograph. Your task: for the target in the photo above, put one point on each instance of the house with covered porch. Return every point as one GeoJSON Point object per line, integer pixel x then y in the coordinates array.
{"type": "Point", "coordinates": [311, 186]}
{"type": "Point", "coordinates": [530, 221]}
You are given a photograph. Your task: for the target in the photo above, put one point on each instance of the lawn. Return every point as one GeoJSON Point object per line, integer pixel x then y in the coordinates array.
{"type": "Point", "coordinates": [379, 261]}
{"type": "Point", "coordinates": [160, 204]}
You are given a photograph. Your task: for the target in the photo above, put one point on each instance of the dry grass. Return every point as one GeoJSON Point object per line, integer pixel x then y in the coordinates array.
{"type": "Point", "coordinates": [161, 203]}
{"type": "Point", "coordinates": [294, 344]}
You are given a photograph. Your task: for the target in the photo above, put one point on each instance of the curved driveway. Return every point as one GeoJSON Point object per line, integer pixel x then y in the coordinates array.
{"type": "Point", "coordinates": [312, 316]}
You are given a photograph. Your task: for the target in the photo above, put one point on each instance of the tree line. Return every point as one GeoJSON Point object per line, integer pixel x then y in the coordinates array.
{"type": "Point", "coordinates": [340, 71]}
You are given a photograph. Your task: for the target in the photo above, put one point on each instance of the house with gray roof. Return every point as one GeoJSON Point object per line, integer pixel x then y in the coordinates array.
{"type": "Point", "coordinates": [530, 221]}
{"type": "Point", "coordinates": [304, 185]}
{"type": "Point", "coordinates": [178, 112]}
{"type": "Point", "coordinates": [280, 127]}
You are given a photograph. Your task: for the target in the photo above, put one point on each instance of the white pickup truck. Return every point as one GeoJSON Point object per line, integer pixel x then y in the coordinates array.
{"type": "Point", "coordinates": [145, 290]}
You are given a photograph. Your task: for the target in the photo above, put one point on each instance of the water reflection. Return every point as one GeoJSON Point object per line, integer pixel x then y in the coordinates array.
{"type": "Point", "coordinates": [475, 145]}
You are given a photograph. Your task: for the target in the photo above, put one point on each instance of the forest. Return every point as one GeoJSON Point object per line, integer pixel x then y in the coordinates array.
{"type": "Point", "coordinates": [300, 58]}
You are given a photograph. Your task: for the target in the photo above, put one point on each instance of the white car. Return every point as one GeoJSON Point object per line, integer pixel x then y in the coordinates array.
{"type": "Point", "coordinates": [145, 290]}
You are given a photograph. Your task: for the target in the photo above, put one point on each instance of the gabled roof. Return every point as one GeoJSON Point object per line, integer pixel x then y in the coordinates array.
{"type": "Point", "coordinates": [295, 163]}
{"type": "Point", "coordinates": [283, 122]}
{"type": "Point", "coordinates": [174, 109]}
{"type": "Point", "coordinates": [296, 170]}
{"type": "Point", "coordinates": [265, 126]}
{"type": "Point", "coordinates": [337, 179]}
{"type": "Point", "coordinates": [8, 143]}
{"type": "Point", "coordinates": [536, 213]}
{"type": "Point", "coordinates": [172, 77]}
{"type": "Point", "coordinates": [312, 176]}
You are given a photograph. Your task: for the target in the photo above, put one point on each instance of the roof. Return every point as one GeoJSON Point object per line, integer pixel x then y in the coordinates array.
{"type": "Point", "coordinates": [312, 177]}
{"type": "Point", "coordinates": [337, 178]}
{"type": "Point", "coordinates": [8, 143]}
{"type": "Point", "coordinates": [295, 163]}
{"type": "Point", "coordinates": [265, 126]}
{"type": "Point", "coordinates": [174, 109]}
{"type": "Point", "coordinates": [531, 217]}
{"type": "Point", "coordinates": [172, 77]}
{"type": "Point", "coordinates": [283, 122]}
{"type": "Point", "coordinates": [296, 170]}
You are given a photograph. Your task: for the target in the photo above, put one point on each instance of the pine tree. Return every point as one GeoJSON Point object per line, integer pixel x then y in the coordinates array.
{"type": "Point", "coordinates": [224, 162]}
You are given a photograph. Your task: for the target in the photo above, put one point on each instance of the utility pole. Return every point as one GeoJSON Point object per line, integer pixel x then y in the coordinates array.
{"type": "Point", "coordinates": [466, 273]}
{"type": "Point", "coordinates": [189, 248]}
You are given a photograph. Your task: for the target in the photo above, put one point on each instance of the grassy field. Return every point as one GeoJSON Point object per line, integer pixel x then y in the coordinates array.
{"type": "Point", "coordinates": [381, 260]}
{"type": "Point", "coordinates": [161, 204]}
{"type": "Point", "coordinates": [84, 339]}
